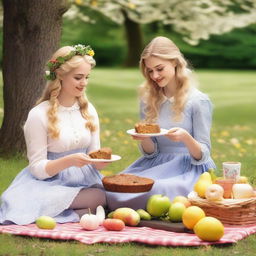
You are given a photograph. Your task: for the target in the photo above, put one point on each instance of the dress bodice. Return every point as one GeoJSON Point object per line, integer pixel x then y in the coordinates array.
{"type": "Point", "coordinates": [196, 120]}
{"type": "Point", "coordinates": [73, 134]}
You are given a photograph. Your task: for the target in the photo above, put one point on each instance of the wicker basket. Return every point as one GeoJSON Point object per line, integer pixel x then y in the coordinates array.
{"type": "Point", "coordinates": [229, 211]}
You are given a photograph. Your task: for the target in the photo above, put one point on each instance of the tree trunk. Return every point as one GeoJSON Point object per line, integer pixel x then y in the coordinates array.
{"type": "Point", "coordinates": [134, 42]}
{"type": "Point", "coordinates": [31, 33]}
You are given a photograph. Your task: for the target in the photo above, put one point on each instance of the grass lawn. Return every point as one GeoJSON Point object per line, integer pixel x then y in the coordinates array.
{"type": "Point", "coordinates": [113, 92]}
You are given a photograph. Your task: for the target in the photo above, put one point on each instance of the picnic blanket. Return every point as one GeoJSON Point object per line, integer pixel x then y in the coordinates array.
{"type": "Point", "coordinates": [146, 235]}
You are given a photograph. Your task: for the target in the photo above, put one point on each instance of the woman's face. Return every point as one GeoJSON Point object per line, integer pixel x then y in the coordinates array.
{"type": "Point", "coordinates": [160, 70]}
{"type": "Point", "coordinates": [74, 82]}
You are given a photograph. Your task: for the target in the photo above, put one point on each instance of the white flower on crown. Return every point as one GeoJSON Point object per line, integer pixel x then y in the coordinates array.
{"type": "Point", "coordinates": [47, 72]}
{"type": "Point", "coordinates": [78, 46]}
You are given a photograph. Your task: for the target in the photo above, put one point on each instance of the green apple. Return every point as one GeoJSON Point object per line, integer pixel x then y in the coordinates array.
{"type": "Point", "coordinates": [176, 211]}
{"type": "Point", "coordinates": [143, 214]}
{"type": "Point", "coordinates": [158, 205]}
{"type": "Point", "coordinates": [182, 199]}
{"type": "Point", "coordinates": [45, 222]}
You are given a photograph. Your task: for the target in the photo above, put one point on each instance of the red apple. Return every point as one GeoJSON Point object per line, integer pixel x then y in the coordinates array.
{"type": "Point", "coordinates": [129, 216]}
{"type": "Point", "coordinates": [113, 224]}
{"type": "Point", "coordinates": [158, 205]}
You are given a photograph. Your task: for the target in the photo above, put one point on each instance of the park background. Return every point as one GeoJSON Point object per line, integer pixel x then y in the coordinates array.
{"type": "Point", "coordinates": [225, 67]}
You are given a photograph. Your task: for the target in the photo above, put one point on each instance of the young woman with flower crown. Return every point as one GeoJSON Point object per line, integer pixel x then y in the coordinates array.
{"type": "Point", "coordinates": [60, 130]}
{"type": "Point", "coordinates": [169, 98]}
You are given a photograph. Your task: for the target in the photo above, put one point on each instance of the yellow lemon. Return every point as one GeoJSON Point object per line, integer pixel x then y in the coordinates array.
{"type": "Point", "coordinates": [191, 216]}
{"type": "Point", "coordinates": [209, 229]}
{"type": "Point", "coordinates": [242, 179]}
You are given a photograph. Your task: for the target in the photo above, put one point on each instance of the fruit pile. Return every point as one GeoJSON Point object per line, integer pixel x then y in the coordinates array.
{"type": "Point", "coordinates": [158, 207]}
{"type": "Point", "coordinates": [179, 210]}
{"type": "Point", "coordinates": [217, 188]}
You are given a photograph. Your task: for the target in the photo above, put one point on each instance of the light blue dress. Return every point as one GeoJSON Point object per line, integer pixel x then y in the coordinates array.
{"type": "Point", "coordinates": [32, 193]}
{"type": "Point", "coordinates": [171, 166]}
{"type": "Point", "coordinates": [28, 198]}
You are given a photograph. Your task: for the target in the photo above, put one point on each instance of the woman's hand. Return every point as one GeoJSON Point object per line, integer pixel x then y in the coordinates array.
{"type": "Point", "coordinates": [100, 166]}
{"type": "Point", "coordinates": [79, 159]}
{"type": "Point", "coordinates": [178, 134]}
{"type": "Point", "coordinates": [181, 135]}
{"type": "Point", "coordinates": [53, 167]}
{"type": "Point", "coordinates": [138, 137]}
{"type": "Point", "coordinates": [146, 143]}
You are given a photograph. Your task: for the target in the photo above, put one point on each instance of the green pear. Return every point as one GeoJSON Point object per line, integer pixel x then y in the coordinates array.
{"type": "Point", "coordinates": [110, 215]}
{"type": "Point", "coordinates": [202, 184]}
{"type": "Point", "coordinates": [143, 214]}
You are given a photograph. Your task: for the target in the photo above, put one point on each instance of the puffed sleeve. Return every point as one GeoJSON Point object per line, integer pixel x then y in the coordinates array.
{"type": "Point", "coordinates": [95, 139]}
{"type": "Point", "coordinates": [202, 120]}
{"type": "Point", "coordinates": [156, 148]}
{"type": "Point", "coordinates": [35, 132]}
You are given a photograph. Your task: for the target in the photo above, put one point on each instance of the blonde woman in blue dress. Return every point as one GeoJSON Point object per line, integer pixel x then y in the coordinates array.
{"type": "Point", "coordinates": [169, 98]}
{"type": "Point", "coordinates": [60, 130]}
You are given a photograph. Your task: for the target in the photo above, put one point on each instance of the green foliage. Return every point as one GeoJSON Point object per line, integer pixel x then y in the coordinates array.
{"type": "Point", "coordinates": [114, 94]}
{"type": "Point", "coordinates": [231, 50]}
{"type": "Point", "coordinates": [105, 37]}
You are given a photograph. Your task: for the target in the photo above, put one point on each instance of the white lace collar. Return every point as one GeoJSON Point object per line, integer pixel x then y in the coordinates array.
{"type": "Point", "coordinates": [74, 107]}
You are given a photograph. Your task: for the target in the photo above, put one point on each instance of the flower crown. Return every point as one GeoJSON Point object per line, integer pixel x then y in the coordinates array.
{"type": "Point", "coordinates": [52, 65]}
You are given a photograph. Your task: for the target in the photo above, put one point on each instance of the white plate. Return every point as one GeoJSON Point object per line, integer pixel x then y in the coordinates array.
{"type": "Point", "coordinates": [113, 159]}
{"type": "Point", "coordinates": [161, 133]}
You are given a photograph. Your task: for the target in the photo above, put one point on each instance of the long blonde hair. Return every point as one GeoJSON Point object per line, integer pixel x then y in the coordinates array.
{"type": "Point", "coordinates": [53, 88]}
{"type": "Point", "coordinates": [150, 93]}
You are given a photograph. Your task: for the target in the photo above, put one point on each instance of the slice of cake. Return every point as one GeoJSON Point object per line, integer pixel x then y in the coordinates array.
{"type": "Point", "coordinates": [147, 128]}
{"type": "Point", "coordinates": [127, 183]}
{"type": "Point", "coordinates": [103, 153]}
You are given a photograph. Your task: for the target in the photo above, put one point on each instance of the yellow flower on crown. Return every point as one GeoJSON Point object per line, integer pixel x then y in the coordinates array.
{"type": "Point", "coordinates": [79, 49]}
{"type": "Point", "coordinates": [90, 52]}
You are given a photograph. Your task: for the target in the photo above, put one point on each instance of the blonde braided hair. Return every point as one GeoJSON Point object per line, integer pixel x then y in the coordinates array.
{"type": "Point", "coordinates": [53, 88]}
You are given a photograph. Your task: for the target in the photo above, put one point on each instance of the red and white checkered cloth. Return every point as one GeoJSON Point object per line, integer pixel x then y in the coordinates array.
{"type": "Point", "coordinates": [73, 231]}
